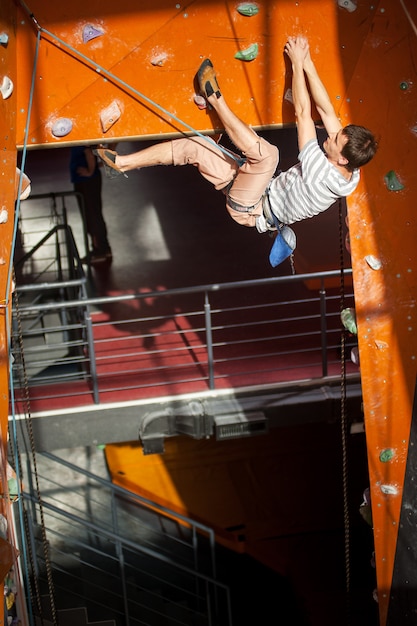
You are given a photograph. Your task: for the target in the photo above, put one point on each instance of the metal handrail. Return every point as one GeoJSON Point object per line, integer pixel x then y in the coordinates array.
{"type": "Point", "coordinates": [205, 581]}
{"type": "Point", "coordinates": [201, 333]}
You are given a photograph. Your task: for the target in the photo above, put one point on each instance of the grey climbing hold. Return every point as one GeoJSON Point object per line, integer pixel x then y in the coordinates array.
{"type": "Point", "coordinates": [91, 32]}
{"type": "Point", "coordinates": [354, 355]}
{"type": "Point", "coordinates": [248, 8]}
{"type": "Point", "coordinates": [392, 182]}
{"type": "Point", "coordinates": [61, 127]}
{"type": "Point", "coordinates": [348, 5]}
{"type": "Point", "coordinates": [249, 54]}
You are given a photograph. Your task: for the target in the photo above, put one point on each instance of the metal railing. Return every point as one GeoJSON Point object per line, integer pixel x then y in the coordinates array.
{"type": "Point", "coordinates": [134, 346]}
{"type": "Point", "coordinates": [119, 554]}
{"type": "Point", "coordinates": [75, 350]}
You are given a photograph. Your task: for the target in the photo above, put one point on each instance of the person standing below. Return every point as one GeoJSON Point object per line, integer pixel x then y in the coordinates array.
{"type": "Point", "coordinates": [87, 182]}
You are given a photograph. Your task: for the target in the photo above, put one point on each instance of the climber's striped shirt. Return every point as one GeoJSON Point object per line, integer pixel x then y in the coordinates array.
{"type": "Point", "coordinates": [309, 187]}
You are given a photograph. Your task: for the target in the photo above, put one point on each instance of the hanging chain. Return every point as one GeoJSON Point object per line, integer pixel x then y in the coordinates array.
{"type": "Point", "coordinates": [344, 421]}
{"type": "Point", "coordinates": [28, 421]}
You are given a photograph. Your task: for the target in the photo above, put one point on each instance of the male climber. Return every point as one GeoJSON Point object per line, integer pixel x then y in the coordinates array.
{"type": "Point", "coordinates": [253, 196]}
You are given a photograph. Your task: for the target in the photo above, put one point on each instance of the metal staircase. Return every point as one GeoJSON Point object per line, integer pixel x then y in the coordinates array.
{"type": "Point", "coordinates": [118, 558]}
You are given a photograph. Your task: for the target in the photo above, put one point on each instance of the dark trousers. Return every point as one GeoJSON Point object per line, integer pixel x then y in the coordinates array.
{"type": "Point", "coordinates": [90, 190]}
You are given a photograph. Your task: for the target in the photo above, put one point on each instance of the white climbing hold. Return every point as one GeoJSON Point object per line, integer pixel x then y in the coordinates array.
{"type": "Point", "coordinates": [26, 185]}
{"type": "Point", "coordinates": [389, 490]}
{"type": "Point", "coordinates": [200, 101]}
{"type": "Point", "coordinates": [4, 39]}
{"type": "Point", "coordinates": [6, 87]}
{"type": "Point", "coordinates": [62, 127]}
{"type": "Point", "coordinates": [373, 262]}
{"type": "Point", "coordinates": [159, 59]}
{"type": "Point", "coordinates": [4, 216]}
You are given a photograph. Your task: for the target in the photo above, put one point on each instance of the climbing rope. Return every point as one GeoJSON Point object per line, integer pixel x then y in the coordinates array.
{"type": "Point", "coordinates": [344, 421]}
{"type": "Point", "coordinates": [121, 83]}
{"type": "Point", "coordinates": [13, 440]}
{"type": "Point", "coordinates": [18, 468]}
{"type": "Point", "coordinates": [408, 16]}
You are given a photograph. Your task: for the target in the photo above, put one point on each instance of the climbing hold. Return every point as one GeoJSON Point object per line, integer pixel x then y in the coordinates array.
{"type": "Point", "coordinates": [386, 455]}
{"type": "Point", "coordinates": [354, 355]}
{"type": "Point", "coordinates": [200, 101]}
{"type": "Point", "coordinates": [389, 490]}
{"type": "Point", "coordinates": [365, 508]}
{"type": "Point", "coordinates": [249, 54]}
{"type": "Point", "coordinates": [91, 32]}
{"type": "Point", "coordinates": [381, 345]}
{"type": "Point", "coordinates": [288, 96]}
{"type": "Point", "coordinates": [4, 216]}
{"type": "Point", "coordinates": [109, 116]}
{"type": "Point", "coordinates": [347, 243]}
{"type": "Point", "coordinates": [348, 5]}
{"type": "Point", "coordinates": [6, 87]}
{"type": "Point", "coordinates": [4, 39]}
{"type": "Point", "coordinates": [373, 262]}
{"type": "Point", "coordinates": [26, 188]}
{"type": "Point", "coordinates": [159, 59]}
{"type": "Point", "coordinates": [404, 85]}
{"type": "Point", "coordinates": [348, 318]}
{"type": "Point", "coordinates": [248, 8]}
{"type": "Point", "coordinates": [62, 127]}
{"type": "Point", "coordinates": [392, 182]}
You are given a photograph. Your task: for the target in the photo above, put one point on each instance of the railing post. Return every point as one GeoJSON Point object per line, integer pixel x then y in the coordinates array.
{"type": "Point", "coordinates": [120, 555]}
{"type": "Point", "coordinates": [323, 327]}
{"type": "Point", "coordinates": [209, 339]}
{"type": "Point", "coordinates": [92, 353]}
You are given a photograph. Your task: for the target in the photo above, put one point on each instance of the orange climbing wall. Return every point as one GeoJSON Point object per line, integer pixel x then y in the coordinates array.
{"type": "Point", "coordinates": [156, 50]}
{"type": "Point", "coordinates": [146, 57]}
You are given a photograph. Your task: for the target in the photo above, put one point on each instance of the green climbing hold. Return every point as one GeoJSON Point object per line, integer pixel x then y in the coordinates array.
{"type": "Point", "coordinates": [248, 8]}
{"type": "Point", "coordinates": [386, 455]}
{"type": "Point", "coordinates": [249, 54]}
{"type": "Point", "coordinates": [392, 182]}
{"type": "Point", "coordinates": [348, 318]}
